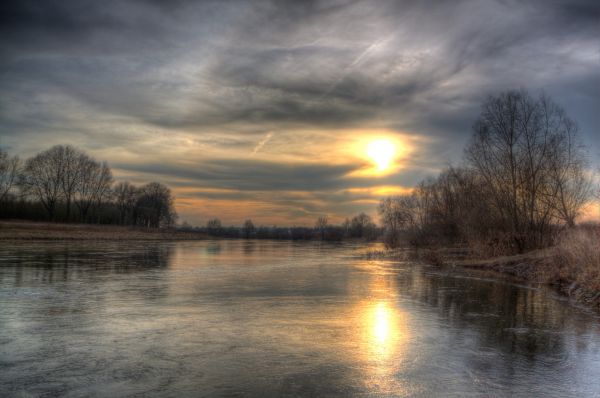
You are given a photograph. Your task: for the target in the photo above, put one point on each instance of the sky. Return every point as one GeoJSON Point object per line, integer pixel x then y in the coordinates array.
{"type": "Point", "coordinates": [269, 109]}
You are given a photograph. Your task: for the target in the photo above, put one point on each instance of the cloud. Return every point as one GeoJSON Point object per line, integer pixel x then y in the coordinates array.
{"type": "Point", "coordinates": [262, 143]}
{"type": "Point", "coordinates": [194, 86]}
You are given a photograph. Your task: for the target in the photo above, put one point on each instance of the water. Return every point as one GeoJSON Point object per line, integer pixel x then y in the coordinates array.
{"type": "Point", "coordinates": [261, 318]}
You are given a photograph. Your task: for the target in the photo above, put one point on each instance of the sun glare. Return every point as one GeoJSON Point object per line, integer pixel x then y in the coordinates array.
{"type": "Point", "coordinates": [381, 324]}
{"type": "Point", "coordinates": [382, 153]}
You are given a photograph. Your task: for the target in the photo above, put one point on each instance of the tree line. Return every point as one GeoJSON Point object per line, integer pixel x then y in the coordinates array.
{"type": "Point", "coordinates": [360, 226]}
{"type": "Point", "coordinates": [524, 176]}
{"type": "Point", "coordinates": [65, 184]}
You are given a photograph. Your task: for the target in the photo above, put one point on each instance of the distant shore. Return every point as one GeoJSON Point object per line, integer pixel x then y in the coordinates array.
{"type": "Point", "coordinates": [36, 231]}
{"type": "Point", "coordinates": [541, 267]}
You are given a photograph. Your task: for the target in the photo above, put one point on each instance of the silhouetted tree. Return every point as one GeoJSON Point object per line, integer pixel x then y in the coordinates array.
{"type": "Point", "coordinates": [95, 180]}
{"type": "Point", "coordinates": [72, 163]}
{"type": "Point", "coordinates": [214, 227]}
{"type": "Point", "coordinates": [525, 150]}
{"type": "Point", "coordinates": [362, 226]}
{"type": "Point", "coordinates": [42, 178]}
{"type": "Point", "coordinates": [526, 173]}
{"type": "Point", "coordinates": [154, 206]}
{"type": "Point", "coordinates": [54, 179]}
{"type": "Point", "coordinates": [248, 229]}
{"type": "Point", "coordinates": [9, 168]}
{"type": "Point", "coordinates": [397, 213]}
{"type": "Point", "coordinates": [570, 184]}
{"type": "Point", "coordinates": [321, 226]}
{"type": "Point", "coordinates": [125, 196]}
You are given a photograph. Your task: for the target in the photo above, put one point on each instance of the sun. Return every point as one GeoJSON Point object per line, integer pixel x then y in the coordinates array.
{"type": "Point", "coordinates": [382, 153]}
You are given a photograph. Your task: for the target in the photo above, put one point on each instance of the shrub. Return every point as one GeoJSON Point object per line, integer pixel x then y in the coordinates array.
{"type": "Point", "coordinates": [578, 257]}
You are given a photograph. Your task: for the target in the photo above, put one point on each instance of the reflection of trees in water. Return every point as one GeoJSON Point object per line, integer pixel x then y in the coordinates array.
{"type": "Point", "coordinates": [519, 321]}
{"type": "Point", "coordinates": [249, 247]}
{"type": "Point", "coordinates": [79, 282]}
{"type": "Point", "coordinates": [214, 248]}
{"type": "Point", "coordinates": [62, 262]}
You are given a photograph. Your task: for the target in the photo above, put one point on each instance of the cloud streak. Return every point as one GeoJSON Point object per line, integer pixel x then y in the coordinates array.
{"type": "Point", "coordinates": [262, 143]}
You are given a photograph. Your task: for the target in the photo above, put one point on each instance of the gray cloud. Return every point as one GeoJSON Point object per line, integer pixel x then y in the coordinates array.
{"type": "Point", "coordinates": [260, 175]}
{"type": "Point", "coordinates": [251, 175]}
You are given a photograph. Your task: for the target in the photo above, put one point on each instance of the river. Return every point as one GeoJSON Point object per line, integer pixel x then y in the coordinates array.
{"type": "Point", "coordinates": [266, 318]}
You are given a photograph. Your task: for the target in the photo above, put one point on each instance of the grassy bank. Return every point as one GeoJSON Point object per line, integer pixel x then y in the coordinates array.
{"type": "Point", "coordinates": [571, 266]}
{"type": "Point", "coordinates": [24, 230]}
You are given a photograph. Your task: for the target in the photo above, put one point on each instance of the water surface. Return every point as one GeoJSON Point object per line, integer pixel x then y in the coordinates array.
{"type": "Point", "coordinates": [262, 318]}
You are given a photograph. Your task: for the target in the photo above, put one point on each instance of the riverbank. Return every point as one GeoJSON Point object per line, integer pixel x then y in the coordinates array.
{"type": "Point", "coordinates": [572, 267]}
{"type": "Point", "coordinates": [544, 267]}
{"type": "Point", "coordinates": [27, 230]}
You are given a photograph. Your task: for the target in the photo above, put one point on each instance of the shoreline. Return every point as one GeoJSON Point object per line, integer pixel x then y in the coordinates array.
{"type": "Point", "coordinates": [533, 268]}
{"type": "Point", "coordinates": [530, 268]}
{"type": "Point", "coordinates": [47, 231]}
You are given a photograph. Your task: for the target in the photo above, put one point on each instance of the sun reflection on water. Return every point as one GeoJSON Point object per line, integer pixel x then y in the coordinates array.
{"type": "Point", "coordinates": [386, 335]}
{"type": "Point", "coordinates": [384, 330]}
{"type": "Point", "coordinates": [381, 323]}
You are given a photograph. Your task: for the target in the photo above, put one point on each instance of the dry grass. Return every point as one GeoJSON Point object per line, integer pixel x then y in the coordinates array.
{"type": "Point", "coordinates": [24, 230]}
{"type": "Point", "coordinates": [572, 265]}
{"type": "Point", "coordinates": [577, 258]}
{"type": "Point", "coordinates": [498, 246]}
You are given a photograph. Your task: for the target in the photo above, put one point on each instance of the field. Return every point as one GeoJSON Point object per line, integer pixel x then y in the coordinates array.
{"type": "Point", "coordinates": [25, 230]}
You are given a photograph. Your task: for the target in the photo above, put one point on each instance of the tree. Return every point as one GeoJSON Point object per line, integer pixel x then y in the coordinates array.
{"type": "Point", "coordinates": [524, 149]}
{"type": "Point", "coordinates": [397, 214]}
{"type": "Point", "coordinates": [9, 167]}
{"type": "Point", "coordinates": [570, 184]}
{"type": "Point", "coordinates": [95, 180]}
{"type": "Point", "coordinates": [72, 163]}
{"type": "Point", "coordinates": [56, 178]}
{"type": "Point", "coordinates": [42, 178]}
{"type": "Point", "coordinates": [346, 227]}
{"type": "Point", "coordinates": [214, 226]}
{"type": "Point", "coordinates": [248, 229]}
{"type": "Point", "coordinates": [154, 206]}
{"type": "Point", "coordinates": [321, 226]}
{"type": "Point", "coordinates": [125, 197]}
{"type": "Point", "coordinates": [361, 226]}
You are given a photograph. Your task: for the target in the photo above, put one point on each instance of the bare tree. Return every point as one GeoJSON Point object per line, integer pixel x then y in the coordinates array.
{"type": "Point", "coordinates": [9, 167]}
{"type": "Point", "coordinates": [570, 183]}
{"type": "Point", "coordinates": [397, 214]}
{"type": "Point", "coordinates": [155, 206]}
{"type": "Point", "coordinates": [42, 179]}
{"type": "Point", "coordinates": [214, 226]}
{"type": "Point", "coordinates": [95, 180]}
{"type": "Point", "coordinates": [125, 197]}
{"type": "Point", "coordinates": [63, 176]}
{"type": "Point", "coordinates": [321, 226]}
{"type": "Point", "coordinates": [524, 150]}
{"type": "Point", "coordinates": [60, 174]}
{"type": "Point", "coordinates": [248, 228]}
{"type": "Point", "coordinates": [73, 163]}
{"type": "Point", "coordinates": [361, 226]}
{"type": "Point", "coordinates": [493, 153]}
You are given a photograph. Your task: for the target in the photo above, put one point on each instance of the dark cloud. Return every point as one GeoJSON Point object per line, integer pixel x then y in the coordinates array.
{"type": "Point", "coordinates": [260, 175]}
{"type": "Point", "coordinates": [312, 62]}
{"type": "Point", "coordinates": [251, 174]}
